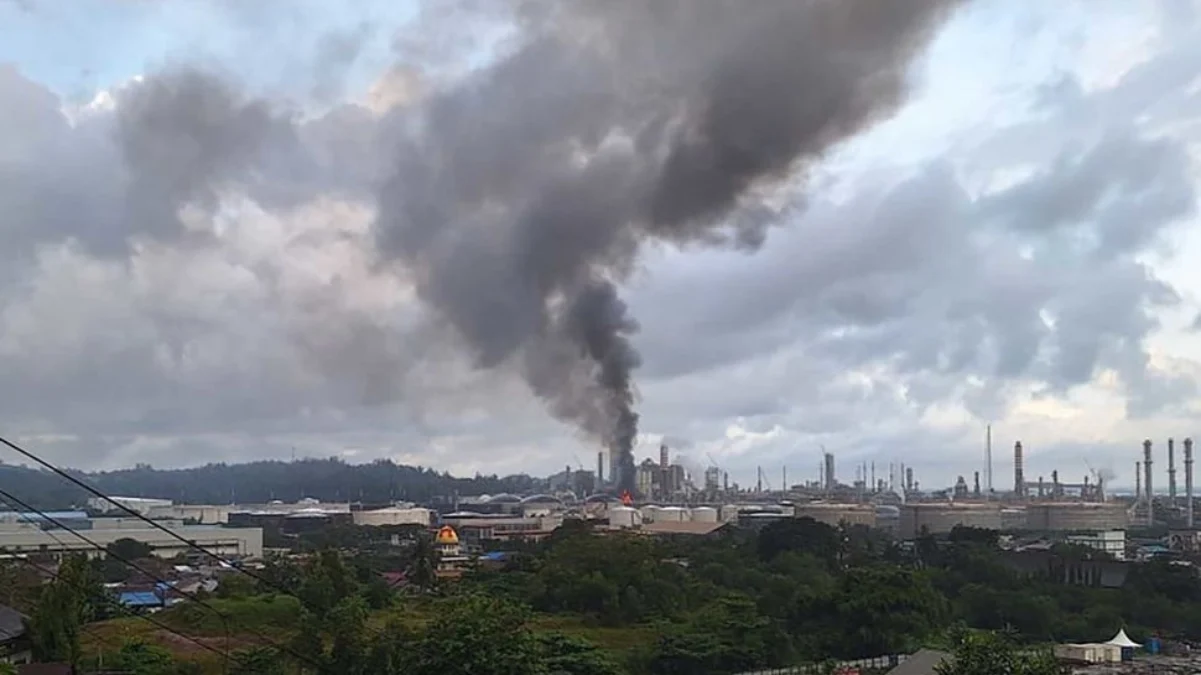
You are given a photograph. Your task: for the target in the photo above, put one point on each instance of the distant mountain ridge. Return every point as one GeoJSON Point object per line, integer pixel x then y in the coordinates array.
{"type": "Point", "coordinates": [256, 482]}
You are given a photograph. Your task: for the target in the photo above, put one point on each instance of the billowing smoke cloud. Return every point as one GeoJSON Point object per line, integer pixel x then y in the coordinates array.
{"type": "Point", "coordinates": [521, 195]}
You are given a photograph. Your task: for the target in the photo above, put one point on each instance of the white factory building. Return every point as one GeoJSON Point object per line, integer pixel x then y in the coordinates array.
{"type": "Point", "coordinates": [394, 516]}
{"type": "Point", "coordinates": [140, 505]}
{"type": "Point", "coordinates": [1112, 542]}
{"type": "Point", "coordinates": [18, 537]}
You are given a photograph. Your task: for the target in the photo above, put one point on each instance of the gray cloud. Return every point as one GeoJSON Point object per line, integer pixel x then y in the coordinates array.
{"type": "Point", "coordinates": [195, 274]}
{"type": "Point", "coordinates": [634, 120]}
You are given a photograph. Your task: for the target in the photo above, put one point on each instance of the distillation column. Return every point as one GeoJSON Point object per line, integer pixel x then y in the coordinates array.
{"type": "Point", "coordinates": [1150, 491]}
{"type": "Point", "coordinates": [1188, 479]}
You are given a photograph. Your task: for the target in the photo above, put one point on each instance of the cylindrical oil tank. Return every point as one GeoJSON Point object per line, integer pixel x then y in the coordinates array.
{"type": "Point", "coordinates": [672, 514]}
{"type": "Point", "coordinates": [939, 518]}
{"type": "Point", "coordinates": [728, 513]}
{"type": "Point", "coordinates": [888, 518]}
{"type": "Point", "coordinates": [624, 516]}
{"type": "Point", "coordinates": [649, 513]}
{"type": "Point", "coordinates": [835, 514]}
{"type": "Point", "coordinates": [1013, 519]}
{"type": "Point", "coordinates": [704, 514]}
{"type": "Point", "coordinates": [1076, 516]}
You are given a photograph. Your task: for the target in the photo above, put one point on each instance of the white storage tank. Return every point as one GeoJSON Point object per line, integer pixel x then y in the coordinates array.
{"type": "Point", "coordinates": [624, 516]}
{"type": "Point", "coordinates": [672, 514]}
{"type": "Point", "coordinates": [729, 513]}
{"type": "Point", "coordinates": [704, 514]}
{"type": "Point", "coordinates": [649, 512]}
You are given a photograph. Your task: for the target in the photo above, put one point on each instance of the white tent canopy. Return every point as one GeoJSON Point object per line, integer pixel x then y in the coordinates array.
{"type": "Point", "coordinates": [1122, 640]}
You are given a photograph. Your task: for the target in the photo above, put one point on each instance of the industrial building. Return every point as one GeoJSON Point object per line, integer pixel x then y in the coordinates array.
{"type": "Point", "coordinates": [297, 522]}
{"type": "Point", "coordinates": [1112, 542]}
{"type": "Point", "coordinates": [473, 529]}
{"type": "Point", "coordinates": [393, 516]}
{"type": "Point", "coordinates": [140, 505]}
{"type": "Point", "coordinates": [942, 517]}
{"type": "Point", "coordinates": [29, 538]}
{"type": "Point", "coordinates": [836, 514]}
{"type": "Point", "coordinates": [1072, 516]}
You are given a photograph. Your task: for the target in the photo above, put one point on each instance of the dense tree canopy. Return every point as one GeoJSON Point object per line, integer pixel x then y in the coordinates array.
{"type": "Point", "coordinates": [613, 603]}
{"type": "Point", "coordinates": [996, 654]}
{"type": "Point", "coordinates": [258, 482]}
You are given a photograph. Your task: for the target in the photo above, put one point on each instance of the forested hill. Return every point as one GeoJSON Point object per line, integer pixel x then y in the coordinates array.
{"type": "Point", "coordinates": [256, 482]}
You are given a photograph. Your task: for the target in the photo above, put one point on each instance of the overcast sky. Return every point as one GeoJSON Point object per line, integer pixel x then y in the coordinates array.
{"type": "Point", "coordinates": [191, 266]}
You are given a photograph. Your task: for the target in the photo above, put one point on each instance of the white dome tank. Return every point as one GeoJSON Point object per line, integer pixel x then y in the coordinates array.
{"type": "Point", "coordinates": [704, 514]}
{"type": "Point", "coordinates": [672, 514]}
{"type": "Point", "coordinates": [624, 516]}
{"type": "Point", "coordinates": [649, 513]}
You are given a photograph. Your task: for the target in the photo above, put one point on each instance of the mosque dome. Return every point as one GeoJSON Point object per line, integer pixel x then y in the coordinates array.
{"type": "Point", "coordinates": [446, 536]}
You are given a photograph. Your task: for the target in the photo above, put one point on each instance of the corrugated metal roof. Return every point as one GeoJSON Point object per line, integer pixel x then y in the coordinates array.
{"type": "Point", "coordinates": [140, 599]}
{"type": "Point", "coordinates": [922, 663]}
{"type": "Point", "coordinates": [12, 624]}
{"type": "Point", "coordinates": [43, 517]}
{"type": "Point", "coordinates": [684, 527]}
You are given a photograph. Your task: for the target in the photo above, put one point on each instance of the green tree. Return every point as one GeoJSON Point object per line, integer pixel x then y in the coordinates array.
{"type": "Point", "coordinates": [422, 570]}
{"type": "Point", "coordinates": [568, 655]}
{"type": "Point", "coordinates": [7, 668]}
{"type": "Point", "coordinates": [804, 535]}
{"type": "Point", "coordinates": [326, 582]}
{"type": "Point", "coordinates": [129, 549]}
{"type": "Point", "coordinates": [62, 607]}
{"type": "Point", "coordinates": [347, 627]}
{"type": "Point", "coordinates": [727, 636]}
{"type": "Point", "coordinates": [993, 654]}
{"type": "Point", "coordinates": [257, 661]}
{"type": "Point", "coordinates": [236, 586]}
{"type": "Point", "coordinates": [141, 658]}
{"type": "Point", "coordinates": [280, 573]}
{"type": "Point", "coordinates": [475, 634]}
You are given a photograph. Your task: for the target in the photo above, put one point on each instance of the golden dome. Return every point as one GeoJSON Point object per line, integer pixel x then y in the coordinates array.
{"type": "Point", "coordinates": [446, 535]}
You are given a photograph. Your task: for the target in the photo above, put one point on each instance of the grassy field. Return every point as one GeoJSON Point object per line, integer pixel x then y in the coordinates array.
{"type": "Point", "coordinates": [275, 618]}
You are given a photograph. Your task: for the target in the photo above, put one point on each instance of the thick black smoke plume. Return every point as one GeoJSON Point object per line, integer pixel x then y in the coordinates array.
{"type": "Point", "coordinates": [521, 196]}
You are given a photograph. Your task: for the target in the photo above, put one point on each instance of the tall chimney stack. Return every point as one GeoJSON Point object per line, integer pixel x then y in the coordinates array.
{"type": "Point", "coordinates": [1019, 479]}
{"type": "Point", "coordinates": [1147, 485]}
{"type": "Point", "coordinates": [1172, 472]}
{"type": "Point", "coordinates": [1138, 482]}
{"type": "Point", "coordinates": [988, 459]}
{"type": "Point", "coordinates": [1188, 479]}
{"type": "Point", "coordinates": [977, 485]}
{"type": "Point", "coordinates": [600, 469]}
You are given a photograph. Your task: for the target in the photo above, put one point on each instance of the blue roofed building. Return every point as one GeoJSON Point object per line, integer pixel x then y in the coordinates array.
{"type": "Point", "coordinates": [140, 600]}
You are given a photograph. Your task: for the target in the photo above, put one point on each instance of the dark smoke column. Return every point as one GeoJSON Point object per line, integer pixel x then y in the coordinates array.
{"type": "Point", "coordinates": [522, 195]}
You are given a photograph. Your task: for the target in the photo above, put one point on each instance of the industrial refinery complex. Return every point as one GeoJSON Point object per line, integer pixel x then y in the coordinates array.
{"type": "Point", "coordinates": [897, 503]}
{"type": "Point", "coordinates": [669, 500]}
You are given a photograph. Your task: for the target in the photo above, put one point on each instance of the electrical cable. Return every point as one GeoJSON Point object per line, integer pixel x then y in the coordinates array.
{"type": "Point", "coordinates": [9, 498]}
{"type": "Point", "coordinates": [156, 525]}
{"type": "Point", "coordinates": [13, 502]}
{"type": "Point", "coordinates": [109, 601]}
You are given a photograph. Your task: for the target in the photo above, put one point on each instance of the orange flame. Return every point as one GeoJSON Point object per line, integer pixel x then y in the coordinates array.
{"type": "Point", "coordinates": [626, 499]}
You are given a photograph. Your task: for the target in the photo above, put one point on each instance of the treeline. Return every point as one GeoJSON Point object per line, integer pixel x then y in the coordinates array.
{"type": "Point", "coordinates": [589, 603]}
{"type": "Point", "coordinates": [801, 591]}
{"type": "Point", "coordinates": [256, 482]}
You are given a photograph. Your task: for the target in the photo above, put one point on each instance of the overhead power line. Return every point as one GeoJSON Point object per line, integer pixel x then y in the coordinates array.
{"type": "Point", "coordinates": [225, 618]}
{"type": "Point", "coordinates": [108, 601]}
{"type": "Point", "coordinates": [153, 523]}
{"type": "Point", "coordinates": [268, 583]}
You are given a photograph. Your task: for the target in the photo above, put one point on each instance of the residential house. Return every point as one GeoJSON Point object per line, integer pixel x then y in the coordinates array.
{"type": "Point", "coordinates": [14, 641]}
